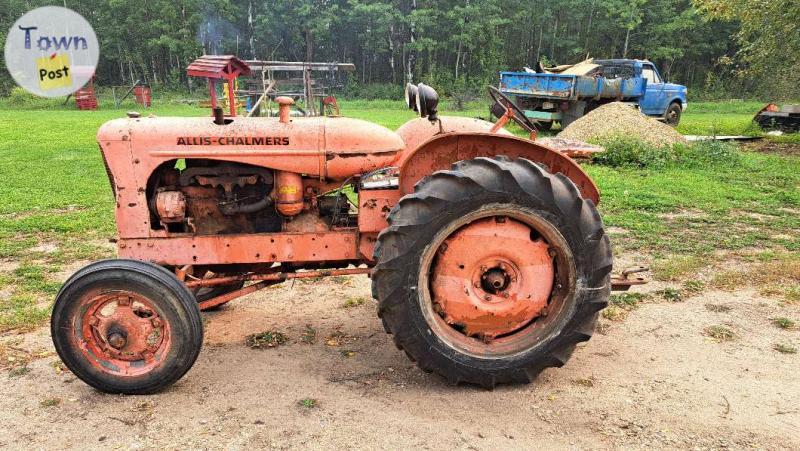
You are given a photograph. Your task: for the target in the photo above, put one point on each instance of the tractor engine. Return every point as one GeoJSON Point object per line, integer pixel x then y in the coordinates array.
{"type": "Point", "coordinates": [210, 198]}
{"type": "Point", "coordinates": [213, 198]}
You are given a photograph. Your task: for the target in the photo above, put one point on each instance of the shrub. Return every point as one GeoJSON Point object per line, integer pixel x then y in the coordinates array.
{"type": "Point", "coordinates": [624, 151]}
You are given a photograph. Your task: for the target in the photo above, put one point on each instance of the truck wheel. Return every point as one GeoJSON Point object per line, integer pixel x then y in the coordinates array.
{"type": "Point", "coordinates": [126, 326]}
{"type": "Point", "coordinates": [673, 114]}
{"type": "Point", "coordinates": [492, 271]}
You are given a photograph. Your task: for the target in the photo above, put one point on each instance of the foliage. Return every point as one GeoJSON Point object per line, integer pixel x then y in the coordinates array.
{"type": "Point", "coordinates": [768, 38]}
{"type": "Point", "coordinates": [624, 151]}
{"type": "Point", "coordinates": [457, 45]}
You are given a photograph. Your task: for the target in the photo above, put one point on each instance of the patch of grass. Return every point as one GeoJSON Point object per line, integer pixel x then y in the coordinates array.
{"type": "Point", "coordinates": [792, 294]}
{"type": "Point", "coordinates": [33, 278]}
{"type": "Point", "coordinates": [309, 335]}
{"type": "Point", "coordinates": [718, 308]}
{"type": "Point", "coordinates": [621, 304]}
{"type": "Point", "coordinates": [779, 275]}
{"type": "Point", "coordinates": [584, 381]}
{"type": "Point", "coordinates": [21, 311]}
{"type": "Point", "coordinates": [677, 267]}
{"type": "Point", "coordinates": [268, 339]}
{"type": "Point", "coordinates": [354, 302]}
{"type": "Point", "coordinates": [308, 403]}
{"type": "Point", "coordinates": [692, 287]}
{"type": "Point", "coordinates": [785, 349]}
{"type": "Point", "coordinates": [720, 333]}
{"type": "Point", "coordinates": [783, 322]}
{"type": "Point", "coordinates": [19, 371]}
{"type": "Point", "coordinates": [622, 151]}
{"type": "Point", "coordinates": [671, 294]}
{"type": "Point", "coordinates": [50, 402]}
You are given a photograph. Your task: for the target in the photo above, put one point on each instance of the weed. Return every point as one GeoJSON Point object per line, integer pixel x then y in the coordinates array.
{"type": "Point", "coordinates": [785, 349]}
{"type": "Point", "coordinates": [622, 303]}
{"type": "Point", "coordinates": [792, 294]}
{"type": "Point", "coordinates": [693, 286]}
{"type": "Point", "coordinates": [720, 333]}
{"type": "Point", "coordinates": [671, 294]}
{"type": "Point", "coordinates": [347, 353]}
{"type": "Point", "coordinates": [718, 308]}
{"type": "Point", "coordinates": [627, 300]}
{"type": "Point", "coordinates": [309, 335]}
{"type": "Point", "coordinates": [19, 371]}
{"type": "Point", "coordinates": [783, 322]}
{"type": "Point", "coordinates": [354, 302]}
{"type": "Point", "coordinates": [50, 402]}
{"type": "Point", "coordinates": [338, 338]}
{"type": "Point", "coordinates": [268, 339]}
{"type": "Point", "coordinates": [676, 267]}
{"type": "Point", "coordinates": [308, 403]}
{"type": "Point", "coordinates": [584, 381]}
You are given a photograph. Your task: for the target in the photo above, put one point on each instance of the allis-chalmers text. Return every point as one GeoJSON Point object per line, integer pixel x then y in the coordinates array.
{"type": "Point", "coordinates": [233, 141]}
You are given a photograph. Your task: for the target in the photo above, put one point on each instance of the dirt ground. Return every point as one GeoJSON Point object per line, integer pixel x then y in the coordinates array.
{"type": "Point", "coordinates": [653, 380]}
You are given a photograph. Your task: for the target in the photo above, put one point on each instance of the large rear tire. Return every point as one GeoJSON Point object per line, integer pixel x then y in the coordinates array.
{"type": "Point", "coordinates": [514, 244]}
{"type": "Point", "coordinates": [126, 326]}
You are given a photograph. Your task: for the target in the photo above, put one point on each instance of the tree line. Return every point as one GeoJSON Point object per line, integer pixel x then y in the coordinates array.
{"type": "Point", "coordinates": [738, 48]}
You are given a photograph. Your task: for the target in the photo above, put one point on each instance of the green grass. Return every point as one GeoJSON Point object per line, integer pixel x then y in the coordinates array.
{"type": "Point", "coordinates": [55, 195]}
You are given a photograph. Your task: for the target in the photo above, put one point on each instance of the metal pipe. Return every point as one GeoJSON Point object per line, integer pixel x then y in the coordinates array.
{"type": "Point", "coordinates": [275, 277]}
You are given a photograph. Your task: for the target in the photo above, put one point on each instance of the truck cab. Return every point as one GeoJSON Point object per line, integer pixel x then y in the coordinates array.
{"type": "Point", "coordinates": [660, 98]}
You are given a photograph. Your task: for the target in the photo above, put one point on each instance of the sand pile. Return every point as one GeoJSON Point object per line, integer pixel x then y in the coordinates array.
{"type": "Point", "coordinates": [619, 119]}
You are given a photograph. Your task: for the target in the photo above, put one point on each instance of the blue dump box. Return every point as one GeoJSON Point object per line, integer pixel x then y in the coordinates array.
{"type": "Point", "coordinates": [570, 87]}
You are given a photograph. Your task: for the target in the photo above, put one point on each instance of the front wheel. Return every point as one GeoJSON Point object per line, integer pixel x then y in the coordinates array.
{"type": "Point", "coordinates": [673, 114]}
{"type": "Point", "coordinates": [492, 271]}
{"type": "Point", "coordinates": [126, 326]}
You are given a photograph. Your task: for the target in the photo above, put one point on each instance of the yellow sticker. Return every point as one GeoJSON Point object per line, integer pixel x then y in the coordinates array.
{"type": "Point", "coordinates": [288, 189]}
{"type": "Point", "coordinates": [54, 71]}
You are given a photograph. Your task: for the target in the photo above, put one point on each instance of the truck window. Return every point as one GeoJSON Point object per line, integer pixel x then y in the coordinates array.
{"type": "Point", "coordinates": [650, 75]}
{"type": "Point", "coordinates": [618, 71]}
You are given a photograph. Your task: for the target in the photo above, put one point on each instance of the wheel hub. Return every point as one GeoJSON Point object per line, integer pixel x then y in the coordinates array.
{"type": "Point", "coordinates": [123, 332]}
{"type": "Point", "coordinates": [492, 277]}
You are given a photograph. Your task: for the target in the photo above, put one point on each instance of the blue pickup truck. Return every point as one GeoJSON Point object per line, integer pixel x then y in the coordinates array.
{"type": "Point", "coordinates": [559, 97]}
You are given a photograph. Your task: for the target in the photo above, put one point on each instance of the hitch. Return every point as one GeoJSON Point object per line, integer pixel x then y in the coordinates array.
{"type": "Point", "coordinates": [623, 282]}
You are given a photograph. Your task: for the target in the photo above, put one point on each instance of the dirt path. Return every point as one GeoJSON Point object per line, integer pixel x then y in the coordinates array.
{"type": "Point", "coordinates": [652, 380]}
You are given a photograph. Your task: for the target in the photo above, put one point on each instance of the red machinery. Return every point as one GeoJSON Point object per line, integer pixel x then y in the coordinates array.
{"type": "Point", "coordinates": [143, 95]}
{"type": "Point", "coordinates": [219, 67]}
{"type": "Point", "coordinates": [85, 98]}
{"type": "Point", "coordinates": [487, 255]}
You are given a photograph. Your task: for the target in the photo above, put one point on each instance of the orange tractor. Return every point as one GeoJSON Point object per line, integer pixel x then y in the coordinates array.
{"type": "Point", "coordinates": [487, 255]}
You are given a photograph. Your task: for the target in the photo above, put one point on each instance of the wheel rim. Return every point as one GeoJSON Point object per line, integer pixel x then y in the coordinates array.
{"type": "Point", "coordinates": [496, 281]}
{"type": "Point", "coordinates": [122, 333]}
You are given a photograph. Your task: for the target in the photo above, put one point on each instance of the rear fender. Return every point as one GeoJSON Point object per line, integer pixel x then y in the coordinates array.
{"type": "Point", "coordinates": [441, 151]}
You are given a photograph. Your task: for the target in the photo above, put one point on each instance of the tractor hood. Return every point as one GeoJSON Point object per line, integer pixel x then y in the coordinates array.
{"type": "Point", "coordinates": [331, 147]}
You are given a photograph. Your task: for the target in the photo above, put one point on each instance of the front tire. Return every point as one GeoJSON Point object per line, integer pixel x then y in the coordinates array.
{"type": "Point", "coordinates": [673, 114]}
{"type": "Point", "coordinates": [528, 301]}
{"type": "Point", "coordinates": [126, 326]}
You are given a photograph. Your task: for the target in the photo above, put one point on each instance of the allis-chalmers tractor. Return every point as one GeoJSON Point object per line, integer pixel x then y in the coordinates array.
{"type": "Point", "coordinates": [487, 255]}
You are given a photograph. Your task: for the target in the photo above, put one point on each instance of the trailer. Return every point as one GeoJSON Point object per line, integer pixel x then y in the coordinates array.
{"type": "Point", "coordinates": [564, 97]}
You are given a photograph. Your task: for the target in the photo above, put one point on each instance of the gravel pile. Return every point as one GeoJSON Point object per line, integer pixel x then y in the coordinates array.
{"type": "Point", "coordinates": [619, 119]}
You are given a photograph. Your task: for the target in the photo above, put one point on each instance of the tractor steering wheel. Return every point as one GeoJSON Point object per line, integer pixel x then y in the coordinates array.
{"type": "Point", "coordinates": [516, 112]}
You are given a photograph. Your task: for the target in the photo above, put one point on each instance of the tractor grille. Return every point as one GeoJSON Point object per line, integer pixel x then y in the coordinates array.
{"type": "Point", "coordinates": [110, 175]}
